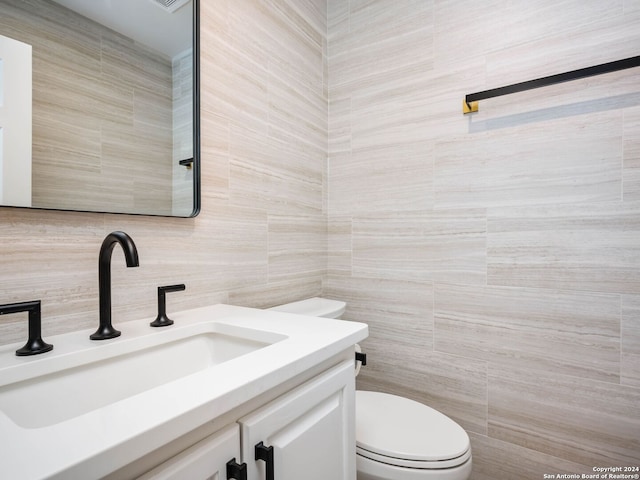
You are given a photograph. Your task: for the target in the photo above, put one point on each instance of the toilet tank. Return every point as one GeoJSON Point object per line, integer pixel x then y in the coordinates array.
{"type": "Point", "coordinates": [314, 307]}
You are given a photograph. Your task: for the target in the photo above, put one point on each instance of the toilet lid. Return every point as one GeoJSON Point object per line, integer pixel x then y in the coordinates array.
{"type": "Point", "coordinates": [403, 429]}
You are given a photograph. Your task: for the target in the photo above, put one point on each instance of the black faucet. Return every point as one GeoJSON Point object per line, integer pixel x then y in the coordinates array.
{"type": "Point", "coordinates": [34, 344]}
{"type": "Point", "coordinates": [105, 329]}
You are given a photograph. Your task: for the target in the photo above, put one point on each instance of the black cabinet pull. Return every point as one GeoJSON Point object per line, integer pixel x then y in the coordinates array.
{"type": "Point", "coordinates": [266, 454]}
{"type": "Point", "coordinates": [235, 470]}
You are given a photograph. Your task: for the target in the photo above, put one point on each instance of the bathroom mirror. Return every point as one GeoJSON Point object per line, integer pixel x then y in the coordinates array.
{"type": "Point", "coordinates": [112, 122]}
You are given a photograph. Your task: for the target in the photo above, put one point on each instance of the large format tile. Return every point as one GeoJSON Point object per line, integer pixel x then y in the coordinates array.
{"type": "Point", "coordinates": [298, 112]}
{"type": "Point", "coordinates": [631, 170]}
{"type": "Point", "coordinates": [592, 32]}
{"type": "Point", "coordinates": [440, 246]}
{"type": "Point", "coordinates": [630, 341]}
{"type": "Point", "coordinates": [297, 247]}
{"type": "Point", "coordinates": [339, 245]}
{"type": "Point", "coordinates": [315, 16]}
{"type": "Point", "coordinates": [270, 294]}
{"type": "Point", "coordinates": [339, 124]}
{"type": "Point", "coordinates": [497, 460]}
{"type": "Point", "coordinates": [568, 160]}
{"type": "Point", "coordinates": [582, 421]}
{"type": "Point", "coordinates": [211, 255]}
{"type": "Point", "coordinates": [590, 247]}
{"type": "Point", "coordinates": [295, 45]}
{"type": "Point", "coordinates": [280, 176]}
{"type": "Point", "coordinates": [399, 313]}
{"type": "Point", "coordinates": [453, 385]}
{"type": "Point", "coordinates": [565, 332]}
{"type": "Point", "coordinates": [214, 157]}
{"type": "Point", "coordinates": [382, 39]}
{"type": "Point", "coordinates": [52, 257]}
{"type": "Point", "coordinates": [456, 42]}
{"type": "Point", "coordinates": [393, 107]}
{"type": "Point", "coordinates": [399, 179]}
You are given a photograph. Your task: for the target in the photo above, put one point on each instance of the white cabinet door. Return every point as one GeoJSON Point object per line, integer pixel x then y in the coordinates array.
{"type": "Point", "coordinates": [206, 460]}
{"type": "Point", "coordinates": [309, 431]}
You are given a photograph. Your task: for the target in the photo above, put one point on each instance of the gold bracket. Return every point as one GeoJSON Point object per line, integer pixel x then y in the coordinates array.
{"type": "Point", "coordinates": [469, 107]}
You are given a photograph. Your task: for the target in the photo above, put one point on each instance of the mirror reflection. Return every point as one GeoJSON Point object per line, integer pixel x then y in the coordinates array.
{"type": "Point", "coordinates": [108, 122]}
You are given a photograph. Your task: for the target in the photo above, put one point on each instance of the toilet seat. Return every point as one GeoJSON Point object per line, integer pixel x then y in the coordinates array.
{"type": "Point", "coordinates": [398, 431]}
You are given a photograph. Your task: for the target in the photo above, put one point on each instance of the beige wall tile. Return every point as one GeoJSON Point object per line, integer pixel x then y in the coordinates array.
{"type": "Point", "coordinates": [382, 39]}
{"type": "Point", "coordinates": [297, 247]}
{"type": "Point", "coordinates": [497, 460]}
{"type": "Point", "coordinates": [269, 172]}
{"type": "Point", "coordinates": [568, 160]}
{"type": "Point", "coordinates": [214, 156]}
{"type": "Point", "coordinates": [298, 112]}
{"type": "Point", "coordinates": [590, 247]}
{"type": "Point", "coordinates": [339, 124]}
{"type": "Point", "coordinates": [564, 332]}
{"type": "Point", "coordinates": [437, 246]}
{"type": "Point", "coordinates": [631, 170]}
{"type": "Point", "coordinates": [213, 255]}
{"type": "Point", "coordinates": [454, 43]}
{"type": "Point", "coordinates": [339, 246]}
{"type": "Point", "coordinates": [276, 293]}
{"type": "Point", "coordinates": [582, 421]}
{"type": "Point", "coordinates": [630, 341]}
{"type": "Point", "coordinates": [535, 242]}
{"type": "Point", "coordinates": [52, 257]}
{"type": "Point", "coordinates": [592, 32]}
{"type": "Point", "coordinates": [399, 313]}
{"type": "Point", "coordinates": [453, 385]}
{"type": "Point", "coordinates": [337, 21]}
{"type": "Point", "coordinates": [631, 6]}
{"type": "Point", "coordinates": [389, 107]}
{"type": "Point", "coordinates": [405, 186]}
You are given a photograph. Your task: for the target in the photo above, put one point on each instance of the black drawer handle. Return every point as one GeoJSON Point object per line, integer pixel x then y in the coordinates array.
{"type": "Point", "coordinates": [235, 470]}
{"type": "Point", "coordinates": [266, 454]}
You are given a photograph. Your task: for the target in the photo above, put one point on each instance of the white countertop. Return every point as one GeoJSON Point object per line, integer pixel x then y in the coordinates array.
{"type": "Point", "coordinates": [99, 441]}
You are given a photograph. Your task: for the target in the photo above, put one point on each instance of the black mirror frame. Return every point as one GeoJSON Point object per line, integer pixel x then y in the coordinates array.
{"type": "Point", "coordinates": [196, 110]}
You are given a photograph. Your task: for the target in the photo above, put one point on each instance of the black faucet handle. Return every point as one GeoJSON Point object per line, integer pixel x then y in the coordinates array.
{"type": "Point", "coordinates": [35, 344]}
{"type": "Point", "coordinates": [162, 320]}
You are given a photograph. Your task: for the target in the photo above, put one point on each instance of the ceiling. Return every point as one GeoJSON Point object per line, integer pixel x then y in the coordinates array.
{"type": "Point", "coordinates": [142, 20]}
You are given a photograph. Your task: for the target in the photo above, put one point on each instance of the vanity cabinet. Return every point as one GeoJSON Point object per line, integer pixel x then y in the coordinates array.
{"type": "Point", "coordinates": [307, 433]}
{"type": "Point", "coordinates": [205, 460]}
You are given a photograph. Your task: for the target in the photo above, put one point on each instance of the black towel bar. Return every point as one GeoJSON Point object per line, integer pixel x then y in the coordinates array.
{"type": "Point", "coordinates": [470, 103]}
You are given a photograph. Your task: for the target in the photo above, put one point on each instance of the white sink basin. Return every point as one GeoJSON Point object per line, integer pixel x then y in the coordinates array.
{"type": "Point", "coordinates": [118, 373]}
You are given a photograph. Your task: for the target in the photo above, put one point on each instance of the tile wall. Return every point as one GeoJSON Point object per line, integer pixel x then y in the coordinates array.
{"type": "Point", "coordinates": [496, 257]}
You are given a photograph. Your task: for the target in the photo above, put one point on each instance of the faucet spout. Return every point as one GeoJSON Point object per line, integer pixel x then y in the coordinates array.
{"type": "Point", "coordinates": [105, 328]}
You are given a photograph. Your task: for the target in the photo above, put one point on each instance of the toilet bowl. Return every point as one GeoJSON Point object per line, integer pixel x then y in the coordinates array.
{"type": "Point", "coordinates": [398, 438]}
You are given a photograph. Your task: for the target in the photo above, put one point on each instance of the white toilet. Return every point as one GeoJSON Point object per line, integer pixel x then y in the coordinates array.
{"type": "Point", "coordinates": [398, 438]}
